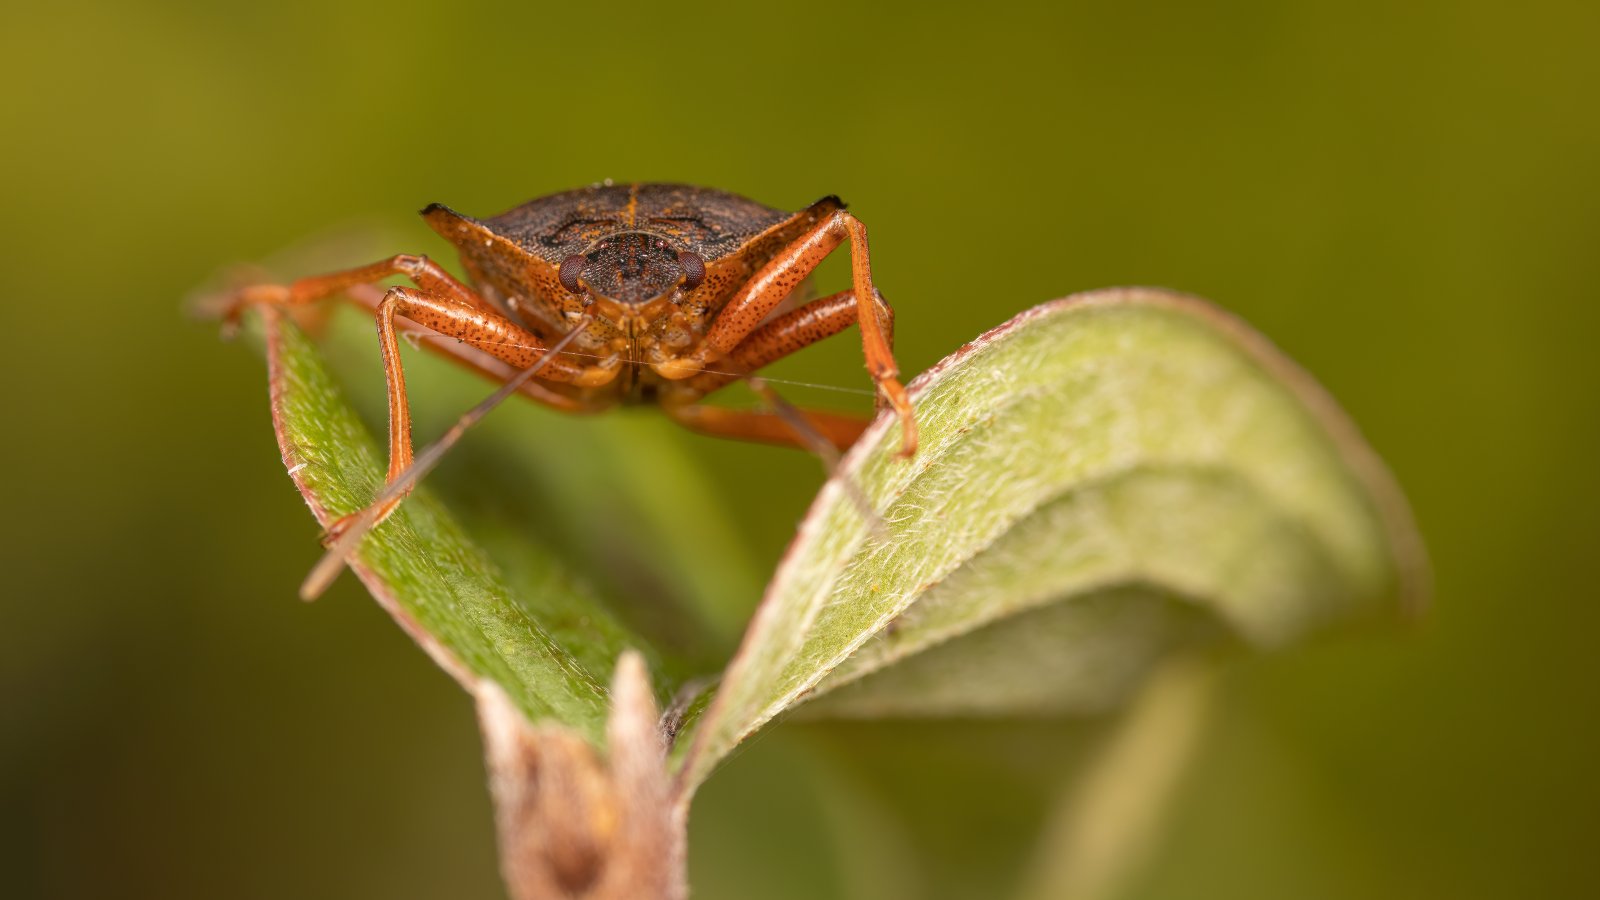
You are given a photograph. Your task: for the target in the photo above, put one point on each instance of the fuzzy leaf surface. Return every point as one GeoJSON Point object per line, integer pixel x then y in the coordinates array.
{"type": "Point", "coordinates": [545, 639]}
{"type": "Point", "coordinates": [1102, 481]}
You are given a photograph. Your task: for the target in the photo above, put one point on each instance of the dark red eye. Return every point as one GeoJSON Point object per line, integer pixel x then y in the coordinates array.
{"type": "Point", "coordinates": [694, 269]}
{"type": "Point", "coordinates": [571, 267]}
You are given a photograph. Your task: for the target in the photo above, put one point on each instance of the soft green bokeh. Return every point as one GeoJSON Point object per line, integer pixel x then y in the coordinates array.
{"type": "Point", "coordinates": [1405, 197]}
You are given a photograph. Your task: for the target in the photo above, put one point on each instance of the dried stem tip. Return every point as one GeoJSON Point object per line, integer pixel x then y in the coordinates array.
{"type": "Point", "coordinates": [574, 825]}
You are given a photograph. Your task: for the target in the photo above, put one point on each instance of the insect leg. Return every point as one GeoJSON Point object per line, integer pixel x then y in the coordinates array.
{"type": "Point", "coordinates": [496, 335]}
{"type": "Point", "coordinates": [748, 308]}
{"type": "Point", "coordinates": [766, 427]}
{"type": "Point", "coordinates": [345, 533]}
{"type": "Point", "coordinates": [358, 286]}
{"type": "Point", "coordinates": [824, 434]}
{"type": "Point", "coordinates": [492, 333]}
{"type": "Point", "coordinates": [554, 395]}
{"type": "Point", "coordinates": [793, 331]}
{"type": "Point", "coordinates": [423, 272]}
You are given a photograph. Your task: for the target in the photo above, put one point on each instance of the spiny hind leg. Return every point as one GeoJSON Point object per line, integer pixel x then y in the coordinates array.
{"type": "Point", "coordinates": [767, 427]}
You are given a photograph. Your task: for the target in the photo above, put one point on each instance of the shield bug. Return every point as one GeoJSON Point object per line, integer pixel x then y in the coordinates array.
{"type": "Point", "coordinates": [623, 294]}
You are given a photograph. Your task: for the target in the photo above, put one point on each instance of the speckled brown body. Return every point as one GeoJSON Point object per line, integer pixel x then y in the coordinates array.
{"type": "Point", "coordinates": [631, 293]}
{"type": "Point", "coordinates": [632, 235]}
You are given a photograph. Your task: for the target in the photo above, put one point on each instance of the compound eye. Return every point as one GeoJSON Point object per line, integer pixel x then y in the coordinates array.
{"type": "Point", "coordinates": [571, 267]}
{"type": "Point", "coordinates": [694, 269]}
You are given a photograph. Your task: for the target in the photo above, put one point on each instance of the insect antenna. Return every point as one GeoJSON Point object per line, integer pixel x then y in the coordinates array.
{"type": "Point", "coordinates": [368, 518]}
{"type": "Point", "coordinates": [822, 448]}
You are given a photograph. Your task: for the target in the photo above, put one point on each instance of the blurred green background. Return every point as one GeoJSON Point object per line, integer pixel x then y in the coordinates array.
{"type": "Point", "coordinates": [1406, 197]}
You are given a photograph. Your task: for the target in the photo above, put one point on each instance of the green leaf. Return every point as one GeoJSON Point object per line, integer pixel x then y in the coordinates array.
{"type": "Point", "coordinates": [624, 500]}
{"type": "Point", "coordinates": [544, 638]}
{"type": "Point", "coordinates": [1101, 481]}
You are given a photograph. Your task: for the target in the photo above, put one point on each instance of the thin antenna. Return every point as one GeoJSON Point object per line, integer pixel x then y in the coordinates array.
{"type": "Point", "coordinates": [822, 447]}
{"type": "Point", "coordinates": [333, 561]}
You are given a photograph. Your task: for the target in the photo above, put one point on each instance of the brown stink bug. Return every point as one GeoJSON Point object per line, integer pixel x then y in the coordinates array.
{"type": "Point", "coordinates": [623, 293]}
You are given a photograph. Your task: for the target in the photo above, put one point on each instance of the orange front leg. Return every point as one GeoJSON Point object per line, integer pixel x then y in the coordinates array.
{"type": "Point", "coordinates": [490, 332]}
{"type": "Point", "coordinates": [484, 339]}
{"type": "Point", "coordinates": [494, 334]}
{"type": "Point", "coordinates": [818, 320]}
{"type": "Point", "coordinates": [357, 286]}
{"type": "Point", "coordinates": [555, 395]}
{"type": "Point", "coordinates": [423, 272]}
{"type": "Point", "coordinates": [748, 308]}
{"type": "Point", "coordinates": [793, 331]}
